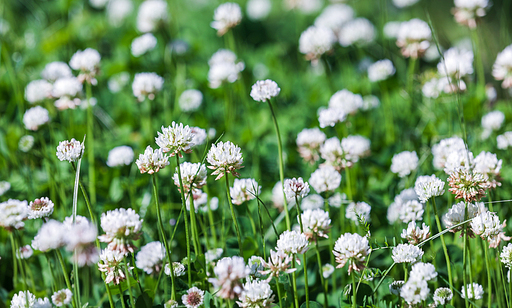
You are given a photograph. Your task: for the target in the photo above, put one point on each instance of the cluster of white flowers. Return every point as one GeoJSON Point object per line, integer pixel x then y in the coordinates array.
{"type": "Point", "coordinates": [24, 252]}
{"type": "Point", "coordinates": [488, 164]}
{"type": "Point", "coordinates": [38, 90]}
{"type": "Point", "coordinates": [316, 41]}
{"type": "Point", "coordinates": [292, 242]}
{"type": "Point", "coordinates": [358, 211]}
{"type": "Point", "coordinates": [150, 258]}
{"type": "Point", "coordinates": [193, 298]}
{"type": "Point", "coordinates": [67, 90]}
{"type": "Point", "coordinates": [256, 294]}
{"type": "Point", "coordinates": [4, 187]}
{"type": "Point", "coordinates": [87, 62]}
{"type": "Point", "coordinates": [406, 253]}
{"type": "Point", "coordinates": [25, 144]}
{"type": "Point", "coordinates": [258, 9]}
{"type": "Point", "coordinates": [175, 139]}
{"type": "Point", "coordinates": [444, 148]}
{"type": "Point", "coordinates": [492, 121]}
{"type": "Point", "coordinates": [190, 100]}
{"type": "Point", "coordinates": [466, 12]}
{"type": "Point", "coordinates": [414, 291]}
{"type": "Point", "coordinates": [474, 291]}
{"type": "Point", "coordinates": [49, 236]}
{"type": "Point", "coordinates": [355, 147]}
{"type": "Point", "coordinates": [228, 275]}
{"type": "Point", "coordinates": [279, 263]}
{"type": "Point", "coordinates": [346, 101]}
{"type": "Point", "coordinates": [70, 150]}
{"type": "Point", "coordinates": [334, 16]}
{"type": "Point", "coordinates": [62, 297]}
{"type": "Point", "coordinates": [352, 249]}
{"type": "Point", "coordinates": [506, 256]}
{"type": "Point", "coordinates": [404, 163]}
{"type": "Point", "coordinates": [325, 178]}
{"type": "Point", "coordinates": [428, 186]}
{"type": "Point", "coordinates": [413, 38]}
{"type": "Point", "coordinates": [35, 117]}
{"type": "Point", "coordinates": [226, 16]}
{"type": "Point", "coordinates": [456, 214]}
{"type": "Point", "coordinates": [309, 141]}
{"type": "Point", "coordinates": [264, 90]}
{"type": "Point", "coordinates": [316, 224]}
{"type": "Point", "coordinates": [456, 63]}
{"type": "Point", "coordinates": [79, 238]}
{"type": "Point", "coordinates": [146, 84]}
{"type": "Point", "coordinates": [23, 299]}
{"type": "Point", "coordinates": [12, 214]}
{"type": "Point", "coordinates": [244, 190]}
{"type": "Point", "coordinates": [224, 157]}
{"type": "Point", "coordinates": [359, 31]}
{"type": "Point", "coordinates": [151, 14]}
{"type": "Point", "coordinates": [330, 116]}
{"type": "Point", "coordinates": [442, 296]}
{"type": "Point", "coordinates": [39, 208]}
{"type": "Point", "coordinates": [177, 267]}
{"type": "Point", "coordinates": [121, 227]}
{"type": "Point", "coordinates": [152, 161]}
{"type": "Point", "coordinates": [502, 68]}
{"type": "Point", "coordinates": [411, 210]}
{"type": "Point", "coordinates": [56, 70]}
{"type": "Point", "coordinates": [488, 226]}
{"type": "Point", "coordinates": [193, 176]}
{"type": "Point", "coordinates": [295, 188]}
{"type": "Point", "coordinates": [223, 68]}
{"type": "Point", "coordinates": [142, 44]}
{"type": "Point", "coordinates": [304, 6]}
{"type": "Point", "coordinates": [312, 202]}
{"type": "Point", "coordinates": [414, 234]}
{"type": "Point", "coordinates": [111, 264]}
{"type": "Point", "coordinates": [120, 156]}
{"type": "Point", "coordinates": [504, 141]}
{"type": "Point", "coordinates": [381, 70]}
{"type": "Point", "coordinates": [400, 200]}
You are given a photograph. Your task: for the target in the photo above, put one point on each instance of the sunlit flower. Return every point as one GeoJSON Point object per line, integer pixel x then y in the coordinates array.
{"type": "Point", "coordinates": [142, 44]}
{"type": "Point", "coordinates": [264, 90]}
{"type": "Point", "coordinates": [407, 253]}
{"type": "Point", "coordinates": [190, 100]}
{"type": "Point", "coordinates": [147, 84]}
{"type": "Point", "coordinates": [358, 212]}
{"type": "Point", "coordinates": [62, 297]}
{"type": "Point", "coordinates": [316, 224]}
{"type": "Point", "coordinates": [414, 234]}
{"type": "Point", "coordinates": [413, 38]}
{"type": "Point", "coordinates": [224, 157]}
{"type": "Point", "coordinates": [256, 294]}
{"type": "Point", "coordinates": [121, 227]}
{"type": "Point", "coordinates": [325, 178]}
{"type": "Point", "coordinates": [467, 185]}
{"type": "Point", "coordinates": [56, 70]}
{"type": "Point", "coordinates": [194, 298]}
{"type": "Point", "coordinates": [428, 186]}
{"type": "Point", "coordinates": [309, 142]}
{"type": "Point", "coordinates": [404, 163]}
{"type": "Point", "coordinates": [466, 12]}
{"type": "Point", "coordinates": [442, 296]}
{"type": "Point", "coordinates": [35, 117]}
{"type": "Point", "coordinates": [359, 31]}
{"type": "Point", "coordinates": [71, 150]}
{"type": "Point", "coordinates": [244, 190]}
{"type": "Point", "coordinates": [150, 258]}
{"type": "Point", "coordinates": [120, 156]}
{"type": "Point", "coordinates": [228, 275]}
{"type": "Point", "coordinates": [316, 41]}
{"type": "Point", "coordinates": [87, 62]}
{"type": "Point", "coordinates": [40, 208]}
{"type": "Point", "coordinates": [381, 70]}
{"type": "Point", "coordinates": [111, 264]}
{"type": "Point", "coordinates": [279, 263]}
{"type": "Point", "coordinates": [151, 14]}
{"type": "Point", "coordinates": [152, 161]}
{"type": "Point", "coordinates": [38, 90]}
{"type": "Point", "coordinates": [351, 249]}
{"type": "Point", "coordinates": [502, 68]}
{"type": "Point", "coordinates": [12, 214]}
{"type": "Point", "coordinates": [475, 291]}
{"type": "Point", "coordinates": [226, 16]}
{"type": "Point", "coordinates": [292, 242]}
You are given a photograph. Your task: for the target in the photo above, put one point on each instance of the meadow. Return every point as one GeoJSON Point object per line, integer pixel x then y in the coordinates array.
{"type": "Point", "coordinates": [335, 153]}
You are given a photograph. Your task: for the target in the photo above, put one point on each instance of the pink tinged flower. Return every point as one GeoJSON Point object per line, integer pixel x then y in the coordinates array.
{"type": "Point", "coordinates": [488, 226]}
{"type": "Point", "coordinates": [308, 144]}
{"type": "Point", "coordinates": [70, 150]}
{"type": "Point", "coordinates": [121, 227]}
{"type": "Point", "coordinates": [152, 161]}
{"type": "Point", "coordinates": [352, 249]}
{"type": "Point", "coordinates": [194, 298]}
{"type": "Point", "coordinates": [413, 38]}
{"type": "Point", "coordinates": [467, 185]}
{"type": "Point", "coordinates": [229, 273]}
{"type": "Point", "coordinates": [316, 224]}
{"type": "Point", "coordinates": [40, 208]}
{"type": "Point", "coordinates": [111, 263]}
{"type": "Point", "coordinates": [295, 188]}
{"type": "Point", "coordinates": [175, 139]}
{"type": "Point", "coordinates": [278, 263]}
{"type": "Point", "coordinates": [224, 157]}
{"type": "Point", "coordinates": [62, 297]}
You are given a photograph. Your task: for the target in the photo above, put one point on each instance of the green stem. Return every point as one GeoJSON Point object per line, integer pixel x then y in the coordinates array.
{"type": "Point", "coordinates": [324, 284]}
{"type": "Point", "coordinates": [405, 272]}
{"type": "Point", "coordinates": [464, 256]}
{"type": "Point", "coordinates": [90, 143]}
{"type": "Point", "coordinates": [489, 284]}
{"type": "Point", "coordinates": [162, 233]}
{"type": "Point", "coordinates": [65, 274]}
{"type": "Point", "coordinates": [76, 279]}
{"type": "Point", "coordinates": [193, 220]}
{"type": "Point", "coordinates": [349, 184]}
{"type": "Point", "coordinates": [410, 78]}
{"type": "Point", "coordinates": [211, 220]}
{"type": "Point", "coordinates": [331, 244]}
{"type": "Point", "coordinates": [279, 293]}
{"type": "Point", "coordinates": [262, 232]}
{"type": "Point", "coordinates": [14, 262]}
{"type": "Point", "coordinates": [136, 273]}
{"type": "Point", "coordinates": [281, 164]}
{"type": "Point", "coordinates": [54, 284]}
{"type": "Point", "coordinates": [127, 273]}
{"type": "Point", "coordinates": [185, 218]}
{"type": "Point", "coordinates": [354, 291]}
{"type": "Point", "coordinates": [480, 74]}
{"type": "Point", "coordinates": [306, 287]}
{"type": "Point", "coordinates": [388, 115]}
{"type": "Point", "coordinates": [294, 284]}
{"type": "Point", "coordinates": [121, 295]}
{"type": "Point", "coordinates": [445, 249]}
{"type": "Point", "coordinates": [233, 216]}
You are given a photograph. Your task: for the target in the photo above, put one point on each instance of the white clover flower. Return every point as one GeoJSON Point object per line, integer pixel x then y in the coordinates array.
{"type": "Point", "coordinates": [23, 299]}
{"type": "Point", "coordinates": [414, 291]}
{"type": "Point", "coordinates": [12, 214]}
{"type": "Point", "coordinates": [190, 100]}
{"type": "Point", "coordinates": [152, 161]}
{"type": "Point", "coordinates": [193, 298]}
{"type": "Point", "coordinates": [264, 90]}
{"type": "Point", "coordinates": [475, 291]}
{"type": "Point", "coordinates": [327, 270]}
{"type": "Point", "coordinates": [62, 297]}
{"type": "Point", "coordinates": [413, 38]}
{"type": "Point", "coordinates": [193, 176]}
{"type": "Point", "coordinates": [492, 121]}
{"type": "Point", "coordinates": [351, 249]}
{"type": "Point", "coordinates": [87, 62]}
{"type": "Point", "coordinates": [333, 153]}
{"type": "Point", "coordinates": [391, 29]}
{"type": "Point", "coordinates": [456, 215]}
{"type": "Point", "coordinates": [49, 236]}
{"type": "Point", "coordinates": [224, 157]}
{"type": "Point", "coordinates": [488, 226]}
{"type": "Point", "coordinates": [228, 275]}
{"type": "Point", "coordinates": [337, 199]}
{"type": "Point", "coordinates": [488, 164]}
{"type": "Point", "coordinates": [35, 117]}
{"type": "Point", "coordinates": [442, 296]}
{"type": "Point", "coordinates": [38, 90]}
{"type": "Point", "coordinates": [466, 12]}
{"type": "Point", "coordinates": [40, 208]}
{"type": "Point", "coordinates": [224, 68]}
{"type": "Point", "coordinates": [142, 44]}
{"type": "Point", "coordinates": [316, 41]}
{"type": "Point", "coordinates": [178, 268]}
{"type": "Point", "coordinates": [258, 9]}
{"type": "Point", "coordinates": [25, 144]}
{"type": "Point", "coordinates": [66, 87]}
{"type": "Point", "coordinates": [226, 16]}
{"type": "Point", "coordinates": [150, 257]}
{"type": "Point", "coordinates": [308, 142]}
{"type": "Point", "coordinates": [359, 31]}
{"type": "Point", "coordinates": [506, 256]}
{"type": "Point", "coordinates": [355, 147]}
{"type": "Point", "coordinates": [111, 264]}
{"type": "Point", "coordinates": [118, 81]}
{"type": "Point", "coordinates": [256, 294]}
{"type": "Point", "coordinates": [278, 264]}
{"type": "Point", "coordinates": [147, 84]}
{"type": "Point", "coordinates": [393, 213]}
{"type": "Point", "coordinates": [407, 253]}
{"type": "Point", "coordinates": [292, 242]}
{"type": "Point", "coordinates": [175, 139]}
{"type": "Point", "coordinates": [151, 14]}
{"type": "Point", "coordinates": [120, 156]}
{"type": "Point", "coordinates": [312, 202]}
{"type": "Point", "coordinates": [396, 286]}
{"type": "Point", "coordinates": [502, 68]}
{"type": "Point", "coordinates": [423, 271]}
{"type": "Point", "coordinates": [404, 163]}
{"type": "Point", "coordinates": [411, 210]}
{"type": "Point", "coordinates": [346, 101]}
{"type": "Point", "coordinates": [325, 178]}
{"type": "Point", "coordinates": [244, 190]}
{"type": "Point", "coordinates": [304, 6]}
{"type": "Point", "coordinates": [121, 227]}
{"type": "Point", "coordinates": [118, 10]}
{"type": "Point", "coordinates": [404, 3]}
{"type": "Point", "coordinates": [330, 116]}
{"type": "Point", "coordinates": [428, 186]}
{"type": "Point", "coordinates": [456, 63]}
{"type": "Point", "coordinates": [316, 224]}
{"type": "Point", "coordinates": [444, 148]}
{"type": "Point", "coordinates": [432, 88]}
{"type": "Point", "coordinates": [381, 70]}
{"type": "Point", "coordinates": [334, 16]}
{"type": "Point", "coordinates": [414, 234]}
{"type": "Point", "coordinates": [70, 150]}
{"type": "Point", "coordinates": [213, 254]}
{"type": "Point", "coordinates": [56, 70]}
{"type": "Point", "coordinates": [80, 238]}
{"type": "Point", "coordinates": [467, 185]}
{"type": "Point", "coordinates": [24, 252]}
{"type": "Point", "coordinates": [295, 188]}
{"type": "Point", "coordinates": [356, 211]}
{"type": "Point", "coordinates": [504, 141]}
